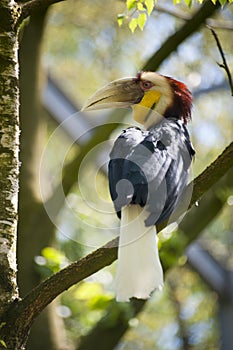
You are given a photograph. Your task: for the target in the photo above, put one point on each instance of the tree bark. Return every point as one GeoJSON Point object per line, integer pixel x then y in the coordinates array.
{"type": "Point", "coordinates": [13, 335]}
{"type": "Point", "coordinates": [9, 161]}
{"type": "Point", "coordinates": [9, 150]}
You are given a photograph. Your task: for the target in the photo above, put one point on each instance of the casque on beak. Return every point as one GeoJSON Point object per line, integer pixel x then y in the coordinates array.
{"type": "Point", "coordinates": [119, 93]}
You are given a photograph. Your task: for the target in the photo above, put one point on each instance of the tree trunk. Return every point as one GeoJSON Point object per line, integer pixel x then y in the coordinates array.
{"type": "Point", "coordinates": [9, 162]}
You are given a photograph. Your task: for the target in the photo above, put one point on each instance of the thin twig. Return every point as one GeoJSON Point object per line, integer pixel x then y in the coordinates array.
{"type": "Point", "coordinates": [224, 64]}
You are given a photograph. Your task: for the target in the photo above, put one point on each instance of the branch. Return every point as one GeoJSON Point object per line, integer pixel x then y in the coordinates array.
{"type": "Point", "coordinates": [212, 174]}
{"type": "Point", "coordinates": [223, 65]}
{"type": "Point", "coordinates": [225, 25]}
{"type": "Point", "coordinates": [170, 45]}
{"type": "Point", "coordinates": [29, 307]}
{"type": "Point", "coordinates": [191, 226]}
{"type": "Point", "coordinates": [31, 7]}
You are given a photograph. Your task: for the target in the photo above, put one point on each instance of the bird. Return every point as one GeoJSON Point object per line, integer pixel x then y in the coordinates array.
{"type": "Point", "coordinates": [147, 171]}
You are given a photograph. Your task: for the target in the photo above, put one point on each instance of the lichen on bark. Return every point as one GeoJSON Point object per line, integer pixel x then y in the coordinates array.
{"type": "Point", "coordinates": [9, 150]}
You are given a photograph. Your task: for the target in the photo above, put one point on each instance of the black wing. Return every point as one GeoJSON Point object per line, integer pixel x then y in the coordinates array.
{"type": "Point", "coordinates": [150, 168]}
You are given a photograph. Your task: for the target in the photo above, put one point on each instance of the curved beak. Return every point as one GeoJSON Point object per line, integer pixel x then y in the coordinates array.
{"type": "Point", "coordinates": [119, 93]}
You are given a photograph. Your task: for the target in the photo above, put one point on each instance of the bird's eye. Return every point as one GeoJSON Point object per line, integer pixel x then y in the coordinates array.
{"type": "Point", "coordinates": [146, 85]}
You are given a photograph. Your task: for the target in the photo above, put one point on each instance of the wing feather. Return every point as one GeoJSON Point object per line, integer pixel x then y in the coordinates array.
{"type": "Point", "coordinates": [150, 168]}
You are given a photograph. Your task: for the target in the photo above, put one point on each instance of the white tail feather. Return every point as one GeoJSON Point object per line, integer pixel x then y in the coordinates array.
{"type": "Point", "coordinates": [139, 270]}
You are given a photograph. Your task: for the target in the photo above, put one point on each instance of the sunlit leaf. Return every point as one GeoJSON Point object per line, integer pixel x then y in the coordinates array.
{"type": "Point", "coordinates": [3, 343]}
{"type": "Point", "coordinates": [142, 20]}
{"type": "Point", "coordinates": [53, 255]}
{"type": "Point", "coordinates": [133, 24]}
{"type": "Point", "coordinates": [131, 4]}
{"type": "Point", "coordinates": [214, 1]}
{"type": "Point", "coordinates": [223, 2]}
{"type": "Point", "coordinates": [149, 5]}
{"type": "Point", "coordinates": [140, 6]}
{"type": "Point", "coordinates": [188, 2]}
{"type": "Point", "coordinates": [55, 260]}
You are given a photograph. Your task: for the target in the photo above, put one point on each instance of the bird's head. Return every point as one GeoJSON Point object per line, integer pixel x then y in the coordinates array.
{"type": "Point", "coordinates": [150, 95]}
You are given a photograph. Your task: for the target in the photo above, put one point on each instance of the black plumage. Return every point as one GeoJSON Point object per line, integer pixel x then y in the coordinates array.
{"type": "Point", "coordinates": [150, 168]}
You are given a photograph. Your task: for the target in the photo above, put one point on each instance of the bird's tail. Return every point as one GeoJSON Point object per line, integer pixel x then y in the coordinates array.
{"type": "Point", "coordinates": [139, 270]}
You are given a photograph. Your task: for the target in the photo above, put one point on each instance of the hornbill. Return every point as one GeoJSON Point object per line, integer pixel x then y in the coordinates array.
{"type": "Point", "coordinates": [148, 171]}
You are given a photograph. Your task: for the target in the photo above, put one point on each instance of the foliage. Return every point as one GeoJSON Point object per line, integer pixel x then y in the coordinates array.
{"type": "Point", "coordinates": [138, 11]}
{"type": "Point", "coordinates": [87, 303]}
{"type": "Point", "coordinates": [50, 261]}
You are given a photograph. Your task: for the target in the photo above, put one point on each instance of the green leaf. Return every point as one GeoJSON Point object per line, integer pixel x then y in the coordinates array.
{"type": "Point", "coordinates": [140, 6]}
{"type": "Point", "coordinates": [214, 2]}
{"type": "Point", "coordinates": [149, 5]}
{"type": "Point", "coordinates": [142, 20]}
{"type": "Point", "coordinates": [223, 2]}
{"type": "Point", "coordinates": [120, 19]}
{"type": "Point", "coordinates": [133, 24]}
{"type": "Point", "coordinates": [3, 343]}
{"type": "Point", "coordinates": [130, 4]}
{"type": "Point", "coordinates": [100, 301]}
{"type": "Point", "coordinates": [54, 258]}
{"type": "Point", "coordinates": [53, 255]}
{"type": "Point", "coordinates": [188, 2]}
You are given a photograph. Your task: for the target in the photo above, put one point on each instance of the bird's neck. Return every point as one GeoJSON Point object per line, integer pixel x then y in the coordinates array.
{"type": "Point", "coordinates": [149, 118]}
{"type": "Point", "coordinates": [151, 109]}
